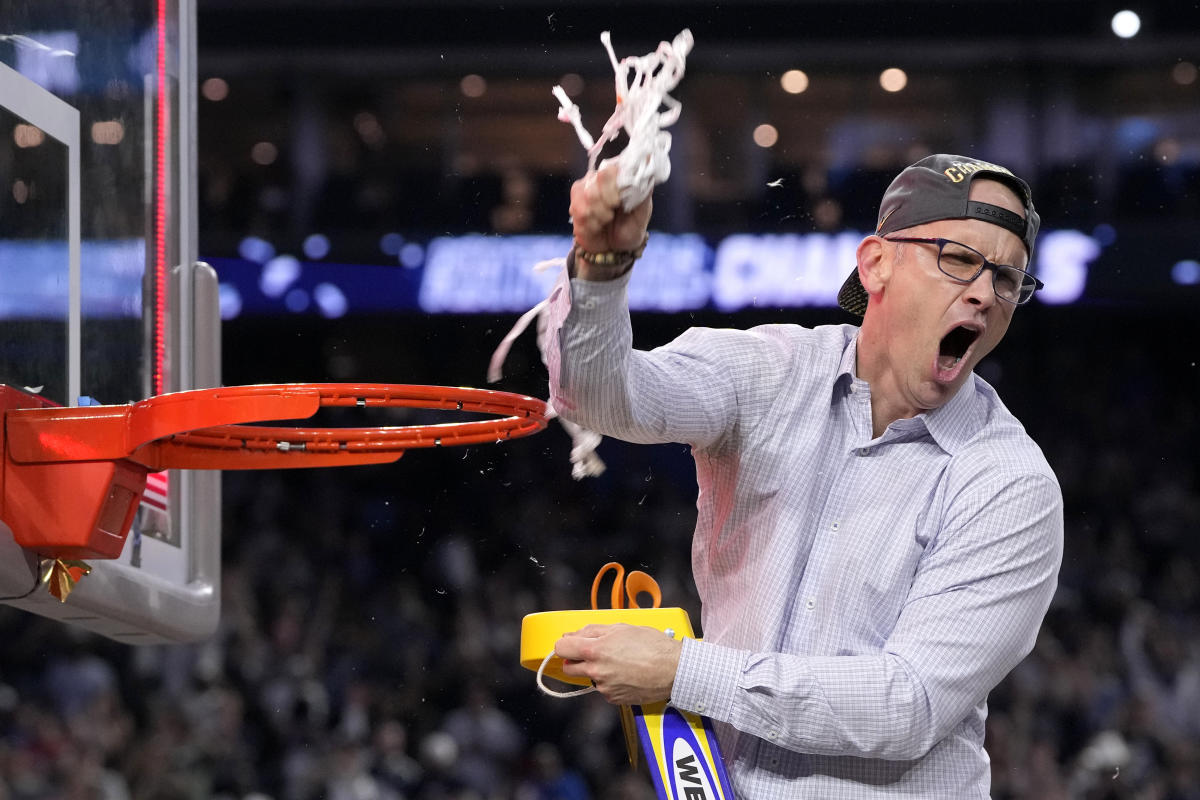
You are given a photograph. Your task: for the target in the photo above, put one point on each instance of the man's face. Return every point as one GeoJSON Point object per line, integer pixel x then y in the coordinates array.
{"type": "Point", "coordinates": [937, 328]}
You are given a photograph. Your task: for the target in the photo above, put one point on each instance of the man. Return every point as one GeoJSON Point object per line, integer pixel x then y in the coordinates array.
{"type": "Point", "coordinates": [877, 538]}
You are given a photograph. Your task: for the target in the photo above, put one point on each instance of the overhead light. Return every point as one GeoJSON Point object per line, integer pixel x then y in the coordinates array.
{"type": "Point", "coordinates": [893, 79]}
{"type": "Point", "coordinates": [572, 84]}
{"type": "Point", "coordinates": [316, 246]}
{"type": "Point", "coordinates": [1186, 272]}
{"type": "Point", "coordinates": [256, 249]}
{"type": "Point", "coordinates": [766, 135]}
{"type": "Point", "coordinates": [473, 85]}
{"type": "Point", "coordinates": [214, 89]}
{"type": "Point", "coordinates": [1126, 24]}
{"type": "Point", "coordinates": [370, 130]}
{"type": "Point", "coordinates": [412, 255]}
{"type": "Point", "coordinates": [794, 81]}
{"type": "Point", "coordinates": [331, 300]}
{"type": "Point", "coordinates": [390, 243]}
{"type": "Point", "coordinates": [278, 275]}
{"type": "Point", "coordinates": [229, 299]}
{"type": "Point", "coordinates": [1184, 73]}
{"type": "Point", "coordinates": [108, 132]}
{"type": "Point", "coordinates": [27, 135]}
{"type": "Point", "coordinates": [264, 153]}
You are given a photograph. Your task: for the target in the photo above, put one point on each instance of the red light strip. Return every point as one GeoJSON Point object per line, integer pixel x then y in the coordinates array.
{"type": "Point", "coordinates": [161, 130]}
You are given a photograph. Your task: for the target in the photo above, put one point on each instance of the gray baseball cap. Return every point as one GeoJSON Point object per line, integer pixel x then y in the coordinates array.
{"type": "Point", "coordinates": [938, 187]}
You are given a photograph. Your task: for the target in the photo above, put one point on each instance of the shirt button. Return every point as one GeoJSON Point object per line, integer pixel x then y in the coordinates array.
{"type": "Point", "coordinates": [810, 604]}
{"type": "Point", "coordinates": [772, 735]}
{"type": "Point", "coordinates": [835, 526]}
{"type": "Point", "coordinates": [864, 451]}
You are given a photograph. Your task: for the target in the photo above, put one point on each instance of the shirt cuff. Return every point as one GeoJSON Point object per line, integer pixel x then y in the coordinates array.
{"type": "Point", "coordinates": [707, 679]}
{"type": "Point", "coordinates": [594, 301]}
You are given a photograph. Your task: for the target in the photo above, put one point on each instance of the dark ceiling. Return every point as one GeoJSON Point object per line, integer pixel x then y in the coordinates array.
{"type": "Point", "coordinates": [384, 35]}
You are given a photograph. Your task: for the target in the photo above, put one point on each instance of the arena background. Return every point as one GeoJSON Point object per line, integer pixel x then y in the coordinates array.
{"type": "Point", "coordinates": [371, 616]}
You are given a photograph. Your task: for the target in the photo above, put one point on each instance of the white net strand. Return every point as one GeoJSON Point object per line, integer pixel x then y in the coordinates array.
{"type": "Point", "coordinates": [585, 462]}
{"type": "Point", "coordinates": [496, 365]}
{"type": "Point", "coordinates": [569, 112]}
{"type": "Point", "coordinates": [644, 107]}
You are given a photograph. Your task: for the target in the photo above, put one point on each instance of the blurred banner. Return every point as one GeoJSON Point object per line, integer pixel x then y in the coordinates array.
{"type": "Point", "coordinates": [496, 274]}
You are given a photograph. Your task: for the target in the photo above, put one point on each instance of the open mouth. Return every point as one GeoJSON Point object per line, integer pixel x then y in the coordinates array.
{"type": "Point", "coordinates": [953, 349]}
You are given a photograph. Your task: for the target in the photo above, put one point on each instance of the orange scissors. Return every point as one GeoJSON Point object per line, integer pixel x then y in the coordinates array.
{"type": "Point", "coordinates": [636, 583]}
{"type": "Point", "coordinates": [628, 587]}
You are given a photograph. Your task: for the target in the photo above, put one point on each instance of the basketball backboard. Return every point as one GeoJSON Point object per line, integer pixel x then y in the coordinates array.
{"type": "Point", "coordinates": [101, 298]}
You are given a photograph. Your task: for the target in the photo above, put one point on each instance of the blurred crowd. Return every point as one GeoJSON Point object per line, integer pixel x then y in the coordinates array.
{"type": "Point", "coordinates": [368, 647]}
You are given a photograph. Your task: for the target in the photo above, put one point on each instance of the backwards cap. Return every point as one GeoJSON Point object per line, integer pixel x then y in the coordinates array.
{"type": "Point", "coordinates": [939, 187]}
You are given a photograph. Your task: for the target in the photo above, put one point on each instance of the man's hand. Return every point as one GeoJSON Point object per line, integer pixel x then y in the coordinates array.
{"type": "Point", "coordinates": [600, 224]}
{"type": "Point", "coordinates": [628, 664]}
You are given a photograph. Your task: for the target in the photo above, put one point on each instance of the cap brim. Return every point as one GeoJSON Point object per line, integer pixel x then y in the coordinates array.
{"type": "Point", "coordinates": [852, 296]}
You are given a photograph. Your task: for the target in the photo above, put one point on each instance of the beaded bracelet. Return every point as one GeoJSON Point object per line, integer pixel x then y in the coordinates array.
{"type": "Point", "coordinates": [618, 261]}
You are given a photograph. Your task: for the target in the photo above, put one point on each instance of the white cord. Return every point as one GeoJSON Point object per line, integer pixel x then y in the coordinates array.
{"type": "Point", "coordinates": [643, 84]}
{"type": "Point", "coordinates": [547, 690]}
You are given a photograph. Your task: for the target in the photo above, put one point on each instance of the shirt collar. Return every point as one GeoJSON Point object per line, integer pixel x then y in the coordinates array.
{"type": "Point", "coordinates": [846, 371]}
{"type": "Point", "coordinates": [959, 419]}
{"type": "Point", "coordinates": [952, 425]}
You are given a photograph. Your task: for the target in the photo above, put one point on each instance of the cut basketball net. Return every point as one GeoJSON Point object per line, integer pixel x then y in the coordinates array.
{"type": "Point", "coordinates": [644, 108]}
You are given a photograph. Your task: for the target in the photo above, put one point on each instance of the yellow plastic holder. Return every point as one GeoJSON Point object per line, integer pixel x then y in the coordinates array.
{"type": "Point", "coordinates": [540, 632]}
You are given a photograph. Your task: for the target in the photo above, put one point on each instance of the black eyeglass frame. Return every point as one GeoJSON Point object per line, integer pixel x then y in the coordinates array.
{"type": "Point", "coordinates": [994, 267]}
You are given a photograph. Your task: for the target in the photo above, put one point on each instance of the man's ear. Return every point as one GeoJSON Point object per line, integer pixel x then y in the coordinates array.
{"type": "Point", "coordinates": [874, 264]}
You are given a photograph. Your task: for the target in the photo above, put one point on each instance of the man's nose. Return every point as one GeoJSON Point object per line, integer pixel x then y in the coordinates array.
{"type": "Point", "coordinates": [980, 291]}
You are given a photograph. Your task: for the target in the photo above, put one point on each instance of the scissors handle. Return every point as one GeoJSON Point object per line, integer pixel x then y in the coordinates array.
{"type": "Point", "coordinates": [618, 588]}
{"type": "Point", "coordinates": [636, 583]}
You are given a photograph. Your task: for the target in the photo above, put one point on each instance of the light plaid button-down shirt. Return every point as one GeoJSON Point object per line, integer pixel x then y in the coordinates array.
{"type": "Point", "coordinates": [861, 596]}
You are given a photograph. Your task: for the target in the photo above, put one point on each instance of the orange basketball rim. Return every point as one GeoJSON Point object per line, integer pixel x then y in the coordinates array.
{"type": "Point", "coordinates": [87, 466]}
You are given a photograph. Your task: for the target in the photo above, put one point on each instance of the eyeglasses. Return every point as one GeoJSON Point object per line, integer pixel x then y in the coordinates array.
{"type": "Point", "coordinates": [964, 264]}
